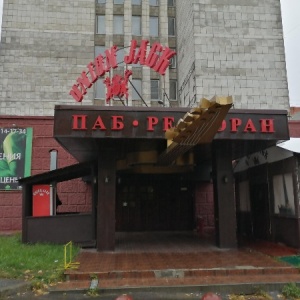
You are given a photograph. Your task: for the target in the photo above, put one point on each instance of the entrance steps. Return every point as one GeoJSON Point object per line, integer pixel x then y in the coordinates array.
{"type": "Point", "coordinates": [142, 262]}
{"type": "Point", "coordinates": [184, 278]}
{"type": "Point", "coordinates": [170, 274]}
{"type": "Point", "coordinates": [208, 268]}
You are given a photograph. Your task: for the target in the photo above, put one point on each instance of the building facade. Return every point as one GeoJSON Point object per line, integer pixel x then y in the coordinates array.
{"type": "Point", "coordinates": [232, 48]}
{"type": "Point", "coordinates": [57, 40]}
{"type": "Point", "coordinates": [222, 49]}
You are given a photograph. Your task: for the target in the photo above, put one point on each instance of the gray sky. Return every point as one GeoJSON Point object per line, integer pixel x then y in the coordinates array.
{"type": "Point", "coordinates": [1, 6]}
{"type": "Point", "coordinates": [291, 28]}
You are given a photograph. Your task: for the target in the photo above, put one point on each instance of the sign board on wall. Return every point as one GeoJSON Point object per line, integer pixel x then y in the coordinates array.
{"type": "Point", "coordinates": [15, 156]}
{"type": "Point", "coordinates": [42, 200]}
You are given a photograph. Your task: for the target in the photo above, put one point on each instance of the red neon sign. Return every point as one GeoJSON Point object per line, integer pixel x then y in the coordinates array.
{"type": "Point", "coordinates": [117, 86]}
{"type": "Point", "coordinates": [119, 122]}
{"type": "Point", "coordinates": [157, 58]}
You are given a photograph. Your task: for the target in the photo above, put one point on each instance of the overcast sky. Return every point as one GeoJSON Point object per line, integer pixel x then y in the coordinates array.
{"type": "Point", "coordinates": [1, 6]}
{"type": "Point", "coordinates": [291, 28]}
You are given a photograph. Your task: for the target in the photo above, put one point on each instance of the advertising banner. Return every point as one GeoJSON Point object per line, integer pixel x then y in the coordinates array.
{"type": "Point", "coordinates": [15, 156]}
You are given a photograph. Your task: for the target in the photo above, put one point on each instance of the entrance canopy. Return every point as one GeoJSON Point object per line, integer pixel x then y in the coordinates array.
{"type": "Point", "coordinates": [110, 142]}
{"type": "Point", "coordinates": [138, 133]}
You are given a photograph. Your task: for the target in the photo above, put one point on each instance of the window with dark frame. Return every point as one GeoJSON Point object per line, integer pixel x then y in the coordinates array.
{"type": "Point", "coordinates": [155, 95]}
{"type": "Point", "coordinates": [171, 26]}
{"type": "Point", "coordinates": [173, 89]}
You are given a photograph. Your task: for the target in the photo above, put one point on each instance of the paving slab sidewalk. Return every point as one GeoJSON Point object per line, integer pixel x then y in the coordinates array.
{"type": "Point", "coordinates": [12, 286]}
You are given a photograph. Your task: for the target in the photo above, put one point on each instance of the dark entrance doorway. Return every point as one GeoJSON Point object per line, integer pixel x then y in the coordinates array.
{"type": "Point", "coordinates": [260, 211]}
{"type": "Point", "coordinates": [154, 203]}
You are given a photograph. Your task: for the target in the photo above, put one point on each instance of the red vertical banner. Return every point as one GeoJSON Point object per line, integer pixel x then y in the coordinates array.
{"type": "Point", "coordinates": [41, 200]}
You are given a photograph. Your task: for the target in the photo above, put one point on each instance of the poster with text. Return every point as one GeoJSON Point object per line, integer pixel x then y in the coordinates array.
{"type": "Point", "coordinates": [15, 156]}
{"type": "Point", "coordinates": [41, 200]}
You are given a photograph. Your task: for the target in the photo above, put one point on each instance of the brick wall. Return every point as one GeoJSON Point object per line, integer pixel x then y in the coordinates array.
{"type": "Point", "coordinates": [294, 127]}
{"type": "Point", "coordinates": [75, 194]}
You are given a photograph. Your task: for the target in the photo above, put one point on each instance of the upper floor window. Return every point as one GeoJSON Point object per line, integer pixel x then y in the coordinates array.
{"type": "Point", "coordinates": [153, 26]}
{"type": "Point", "coordinates": [100, 24]}
{"type": "Point", "coordinates": [173, 89]}
{"type": "Point", "coordinates": [118, 1]}
{"type": "Point", "coordinates": [136, 2]}
{"type": "Point", "coordinates": [99, 86]}
{"type": "Point", "coordinates": [120, 56]}
{"type": "Point", "coordinates": [171, 26]}
{"type": "Point", "coordinates": [136, 89]}
{"type": "Point", "coordinates": [118, 24]}
{"type": "Point", "coordinates": [171, 2]}
{"type": "Point", "coordinates": [136, 25]}
{"type": "Point", "coordinates": [153, 2]}
{"type": "Point", "coordinates": [101, 1]}
{"type": "Point", "coordinates": [100, 90]}
{"type": "Point", "coordinates": [155, 89]}
{"type": "Point", "coordinates": [99, 50]}
{"type": "Point", "coordinates": [172, 64]}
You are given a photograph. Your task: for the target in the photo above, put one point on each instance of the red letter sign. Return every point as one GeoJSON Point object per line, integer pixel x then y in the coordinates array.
{"type": "Point", "coordinates": [249, 126]}
{"type": "Point", "coordinates": [267, 125]}
{"type": "Point", "coordinates": [152, 121]}
{"type": "Point", "coordinates": [168, 123]}
{"type": "Point", "coordinates": [117, 123]}
{"type": "Point", "coordinates": [79, 122]}
{"type": "Point", "coordinates": [235, 123]}
{"type": "Point", "coordinates": [99, 124]}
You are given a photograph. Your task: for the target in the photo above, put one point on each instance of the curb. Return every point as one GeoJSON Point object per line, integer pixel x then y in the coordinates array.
{"type": "Point", "coordinates": [244, 288]}
{"type": "Point", "coordinates": [10, 287]}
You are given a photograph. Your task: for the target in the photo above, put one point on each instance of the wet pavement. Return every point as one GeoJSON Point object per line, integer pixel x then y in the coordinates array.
{"type": "Point", "coordinates": [151, 295]}
{"type": "Point", "coordinates": [179, 259]}
{"type": "Point", "coordinates": [171, 266]}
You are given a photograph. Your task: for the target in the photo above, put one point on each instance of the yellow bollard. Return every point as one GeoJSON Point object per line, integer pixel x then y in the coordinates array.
{"type": "Point", "coordinates": [68, 264]}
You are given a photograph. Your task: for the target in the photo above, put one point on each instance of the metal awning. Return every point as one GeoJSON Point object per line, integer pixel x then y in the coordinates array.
{"type": "Point", "coordinates": [58, 175]}
{"type": "Point", "coordinates": [293, 145]}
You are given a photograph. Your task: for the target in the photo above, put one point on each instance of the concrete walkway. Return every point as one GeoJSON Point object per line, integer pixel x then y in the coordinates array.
{"type": "Point", "coordinates": [12, 286]}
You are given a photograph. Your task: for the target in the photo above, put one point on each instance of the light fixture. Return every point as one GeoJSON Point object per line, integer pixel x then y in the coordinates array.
{"type": "Point", "coordinates": [225, 179]}
{"type": "Point", "coordinates": [106, 179]}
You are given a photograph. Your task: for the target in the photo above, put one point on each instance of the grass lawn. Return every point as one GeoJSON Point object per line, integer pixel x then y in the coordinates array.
{"type": "Point", "coordinates": [37, 263]}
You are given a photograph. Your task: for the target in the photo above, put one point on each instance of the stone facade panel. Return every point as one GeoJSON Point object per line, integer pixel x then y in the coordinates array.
{"type": "Point", "coordinates": [243, 42]}
{"type": "Point", "coordinates": [43, 50]}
